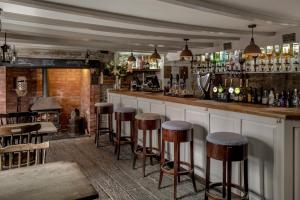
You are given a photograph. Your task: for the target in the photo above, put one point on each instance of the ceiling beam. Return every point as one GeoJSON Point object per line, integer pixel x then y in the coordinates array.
{"type": "Point", "coordinates": [105, 15]}
{"type": "Point", "coordinates": [233, 11]}
{"type": "Point", "coordinates": [94, 27]}
{"type": "Point", "coordinates": [92, 44]}
{"type": "Point", "coordinates": [85, 37]}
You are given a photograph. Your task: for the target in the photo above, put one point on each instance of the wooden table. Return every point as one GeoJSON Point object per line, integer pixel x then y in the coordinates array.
{"type": "Point", "coordinates": [52, 181]}
{"type": "Point", "coordinates": [46, 127]}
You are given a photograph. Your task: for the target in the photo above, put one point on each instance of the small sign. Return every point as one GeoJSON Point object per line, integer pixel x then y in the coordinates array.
{"type": "Point", "coordinates": [289, 38]}
{"type": "Point", "coordinates": [227, 46]}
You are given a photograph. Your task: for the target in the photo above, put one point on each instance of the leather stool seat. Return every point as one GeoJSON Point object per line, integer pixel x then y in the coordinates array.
{"type": "Point", "coordinates": [177, 125]}
{"type": "Point", "coordinates": [227, 138]}
{"type": "Point", "coordinates": [148, 116]}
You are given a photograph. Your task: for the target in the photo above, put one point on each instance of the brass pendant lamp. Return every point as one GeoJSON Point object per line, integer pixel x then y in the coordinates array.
{"type": "Point", "coordinates": [131, 58]}
{"type": "Point", "coordinates": [155, 56]}
{"type": "Point", "coordinates": [252, 49]}
{"type": "Point", "coordinates": [186, 54]}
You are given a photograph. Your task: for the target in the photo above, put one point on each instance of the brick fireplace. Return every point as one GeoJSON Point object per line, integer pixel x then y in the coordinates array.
{"type": "Point", "coordinates": [71, 87]}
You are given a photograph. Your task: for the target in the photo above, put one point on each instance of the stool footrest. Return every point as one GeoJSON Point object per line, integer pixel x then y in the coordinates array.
{"type": "Point", "coordinates": [182, 171]}
{"type": "Point", "coordinates": [139, 151]}
{"type": "Point", "coordinates": [217, 197]}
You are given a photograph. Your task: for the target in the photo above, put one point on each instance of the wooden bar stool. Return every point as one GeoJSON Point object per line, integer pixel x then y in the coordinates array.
{"type": "Point", "coordinates": [226, 147]}
{"type": "Point", "coordinates": [147, 122]}
{"type": "Point", "coordinates": [101, 110]}
{"type": "Point", "coordinates": [124, 114]}
{"type": "Point", "coordinates": [177, 132]}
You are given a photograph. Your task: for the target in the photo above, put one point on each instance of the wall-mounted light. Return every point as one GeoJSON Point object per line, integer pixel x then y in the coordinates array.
{"type": "Point", "coordinates": [252, 49]}
{"type": "Point", "coordinates": [186, 54]}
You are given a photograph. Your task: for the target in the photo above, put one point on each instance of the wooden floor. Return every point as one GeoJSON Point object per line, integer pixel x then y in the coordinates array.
{"type": "Point", "coordinates": [116, 179]}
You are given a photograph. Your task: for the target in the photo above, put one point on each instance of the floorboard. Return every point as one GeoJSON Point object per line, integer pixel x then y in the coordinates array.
{"type": "Point", "coordinates": [115, 179]}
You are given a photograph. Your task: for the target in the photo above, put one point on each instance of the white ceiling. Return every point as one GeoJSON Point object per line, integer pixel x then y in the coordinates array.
{"type": "Point", "coordinates": [141, 24]}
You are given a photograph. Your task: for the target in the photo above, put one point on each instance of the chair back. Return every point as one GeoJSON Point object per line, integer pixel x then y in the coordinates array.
{"type": "Point", "coordinates": [18, 117]}
{"type": "Point", "coordinates": [19, 134]}
{"type": "Point", "coordinates": [24, 154]}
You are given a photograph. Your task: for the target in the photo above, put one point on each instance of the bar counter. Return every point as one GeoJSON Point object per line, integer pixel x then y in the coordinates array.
{"type": "Point", "coordinates": [255, 109]}
{"type": "Point", "coordinates": [273, 135]}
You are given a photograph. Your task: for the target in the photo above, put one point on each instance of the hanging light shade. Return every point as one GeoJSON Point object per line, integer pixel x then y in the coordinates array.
{"type": "Point", "coordinates": [252, 49]}
{"type": "Point", "coordinates": [131, 58]}
{"type": "Point", "coordinates": [155, 56]}
{"type": "Point", "coordinates": [186, 54]}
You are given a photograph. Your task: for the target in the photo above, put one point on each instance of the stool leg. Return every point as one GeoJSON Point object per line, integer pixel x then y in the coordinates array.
{"type": "Point", "coordinates": [119, 139]}
{"type": "Point", "coordinates": [135, 147]}
{"type": "Point", "coordinates": [207, 176]}
{"type": "Point", "coordinates": [144, 151]}
{"type": "Point", "coordinates": [192, 165]}
{"type": "Point", "coordinates": [229, 180]}
{"type": "Point", "coordinates": [110, 127]}
{"type": "Point", "coordinates": [246, 176]}
{"type": "Point", "coordinates": [162, 160]}
{"type": "Point", "coordinates": [116, 139]}
{"type": "Point", "coordinates": [224, 180]}
{"type": "Point", "coordinates": [132, 133]}
{"type": "Point", "coordinates": [176, 156]}
{"type": "Point", "coordinates": [150, 146]}
{"type": "Point", "coordinates": [97, 128]}
{"type": "Point", "coordinates": [159, 141]}
{"type": "Point", "coordinates": [178, 168]}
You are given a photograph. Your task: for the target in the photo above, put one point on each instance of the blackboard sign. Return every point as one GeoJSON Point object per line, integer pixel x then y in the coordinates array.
{"type": "Point", "coordinates": [227, 46]}
{"type": "Point", "coordinates": [289, 38]}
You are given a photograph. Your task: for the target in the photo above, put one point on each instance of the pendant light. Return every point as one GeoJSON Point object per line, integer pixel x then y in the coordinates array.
{"type": "Point", "coordinates": [252, 49]}
{"type": "Point", "coordinates": [131, 58]}
{"type": "Point", "coordinates": [155, 56]}
{"type": "Point", "coordinates": [186, 54]}
{"type": "Point", "coordinates": [5, 51]}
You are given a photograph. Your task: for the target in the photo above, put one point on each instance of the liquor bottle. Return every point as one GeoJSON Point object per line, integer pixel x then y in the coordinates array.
{"type": "Point", "coordinates": [249, 95]}
{"type": "Point", "coordinates": [283, 100]}
{"type": "Point", "coordinates": [289, 99]}
{"type": "Point", "coordinates": [265, 98]}
{"type": "Point", "coordinates": [295, 99]}
{"type": "Point", "coordinates": [254, 96]}
{"type": "Point", "coordinates": [221, 91]}
{"type": "Point", "coordinates": [245, 90]}
{"type": "Point", "coordinates": [271, 98]}
{"type": "Point", "coordinates": [237, 92]}
{"type": "Point", "coordinates": [240, 91]}
{"type": "Point", "coordinates": [259, 95]}
{"type": "Point", "coordinates": [277, 100]}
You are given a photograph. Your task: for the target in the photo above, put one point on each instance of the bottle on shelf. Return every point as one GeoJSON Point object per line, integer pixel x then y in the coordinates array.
{"type": "Point", "coordinates": [271, 98]}
{"type": "Point", "coordinates": [265, 98]}
{"type": "Point", "coordinates": [249, 95]}
{"type": "Point", "coordinates": [254, 96]}
{"type": "Point", "coordinates": [283, 99]}
{"type": "Point", "coordinates": [295, 98]}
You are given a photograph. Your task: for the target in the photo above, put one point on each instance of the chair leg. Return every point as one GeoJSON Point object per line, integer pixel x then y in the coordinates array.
{"type": "Point", "coordinates": [207, 179]}
{"type": "Point", "coordinates": [162, 160]}
{"type": "Point", "coordinates": [118, 139]}
{"type": "Point", "coordinates": [135, 149]}
{"type": "Point", "coordinates": [159, 142]}
{"type": "Point", "coordinates": [224, 180]}
{"type": "Point", "coordinates": [144, 152]}
{"type": "Point", "coordinates": [192, 165]}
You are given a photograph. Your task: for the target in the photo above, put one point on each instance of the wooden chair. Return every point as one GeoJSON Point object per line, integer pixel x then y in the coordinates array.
{"type": "Point", "coordinates": [18, 117]}
{"type": "Point", "coordinates": [19, 135]}
{"type": "Point", "coordinates": [23, 150]}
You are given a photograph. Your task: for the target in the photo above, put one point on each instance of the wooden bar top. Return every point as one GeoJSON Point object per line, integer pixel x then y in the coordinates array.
{"type": "Point", "coordinates": [254, 109]}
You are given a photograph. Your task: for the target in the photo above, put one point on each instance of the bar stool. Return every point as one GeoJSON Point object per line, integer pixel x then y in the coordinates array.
{"type": "Point", "coordinates": [123, 114]}
{"type": "Point", "coordinates": [177, 132]}
{"type": "Point", "coordinates": [147, 122]}
{"type": "Point", "coordinates": [104, 109]}
{"type": "Point", "coordinates": [227, 147]}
